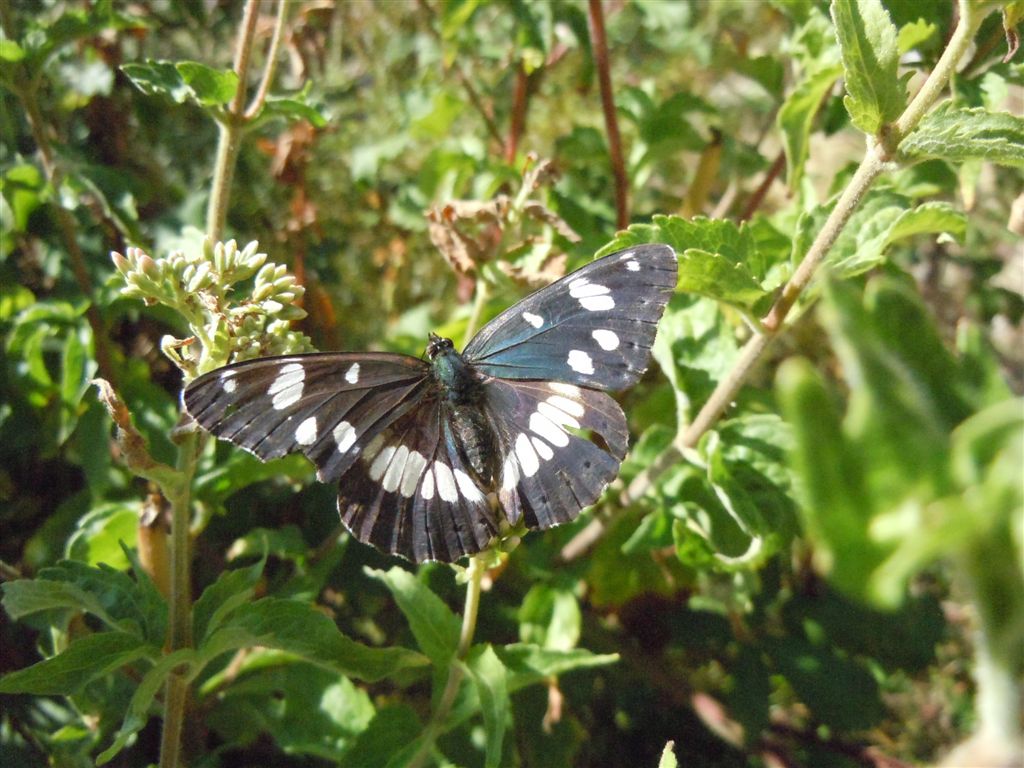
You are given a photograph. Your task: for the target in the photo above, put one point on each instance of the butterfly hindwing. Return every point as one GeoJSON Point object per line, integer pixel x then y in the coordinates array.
{"type": "Point", "coordinates": [549, 471]}
{"type": "Point", "coordinates": [411, 494]}
{"type": "Point", "coordinates": [594, 327]}
{"type": "Point", "coordinates": [327, 406]}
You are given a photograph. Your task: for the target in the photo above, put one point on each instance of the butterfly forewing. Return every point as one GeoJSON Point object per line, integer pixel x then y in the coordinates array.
{"type": "Point", "coordinates": [411, 494]}
{"type": "Point", "coordinates": [594, 327]}
{"type": "Point", "coordinates": [328, 406]}
{"type": "Point", "coordinates": [550, 469]}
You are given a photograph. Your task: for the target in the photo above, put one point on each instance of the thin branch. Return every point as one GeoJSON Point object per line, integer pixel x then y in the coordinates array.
{"type": "Point", "coordinates": [874, 163]}
{"type": "Point", "coordinates": [456, 669]}
{"type": "Point", "coordinates": [230, 134]}
{"type": "Point", "coordinates": [759, 194]}
{"type": "Point", "coordinates": [599, 43]}
{"type": "Point", "coordinates": [270, 66]}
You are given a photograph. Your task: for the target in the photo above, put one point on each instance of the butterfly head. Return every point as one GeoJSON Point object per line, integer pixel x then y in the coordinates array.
{"type": "Point", "coordinates": [438, 346]}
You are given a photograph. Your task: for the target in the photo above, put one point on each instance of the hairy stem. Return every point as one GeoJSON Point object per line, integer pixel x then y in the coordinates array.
{"type": "Point", "coordinates": [456, 671]}
{"type": "Point", "coordinates": [230, 134]}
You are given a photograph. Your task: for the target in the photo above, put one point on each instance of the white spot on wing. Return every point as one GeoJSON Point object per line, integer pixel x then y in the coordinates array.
{"type": "Point", "coordinates": [548, 429]}
{"type": "Point", "coordinates": [585, 289]}
{"type": "Point", "coordinates": [352, 374]}
{"type": "Point", "coordinates": [580, 361]}
{"type": "Point", "coordinates": [535, 320]}
{"type": "Point", "coordinates": [569, 406]}
{"type": "Point", "coordinates": [229, 384]}
{"type": "Point", "coordinates": [411, 475]}
{"type": "Point", "coordinates": [557, 415]}
{"type": "Point", "coordinates": [445, 482]}
{"type": "Point", "coordinates": [305, 433]}
{"type": "Point", "coordinates": [607, 340]}
{"type": "Point", "coordinates": [381, 462]}
{"type": "Point", "coordinates": [509, 472]}
{"type": "Point", "coordinates": [427, 489]}
{"type": "Point", "coordinates": [633, 266]}
{"type": "Point", "coordinates": [469, 488]}
{"type": "Point", "coordinates": [344, 436]}
{"type": "Point", "coordinates": [597, 303]}
{"type": "Point", "coordinates": [286, 389]}
{"type": "Point", "coordinates": [393, 476]}
{"type": "Point", "coordinates": [528, 460]}
{"type": "Point", "coordinates": [569, 390]}
{"type": "Point", "coordinates": [542, 448]}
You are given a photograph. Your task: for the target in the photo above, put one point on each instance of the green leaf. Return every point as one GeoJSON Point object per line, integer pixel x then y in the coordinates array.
{"type": "Point", "coordinates": [106, 593]}
{"type": "Point", "coordinates": [86, 659]}
{"type": "Point", "coordinates": [390, 733]}
{"type": "Point", "coordinates": [876, 95]}
{"type": "Point", "coordinates": [293, 110]}
{"type": "Point", "coordinates": [139, 707]}
{"type": "Point", "coordinates": [305, 710]}
{"type": "Point", "coordinates": [550, 617]}
{"type": "Point", "coordinates": [299, 628]}
{"type": "Point", "coordinates": [231, 589]}
{"type": "Point", "coordinates": [913, 34]}
{"type": "Point", "coordinates": [209, 86]}
{"type": "Point", "coordinates": [712, 275]}
{"type": "Point", "coordinates": [528, 664]}
{"type": "Point", "coordinates": [99, 534]}
{"type": "Point", "coordinates": [491, 680]}
{"type": "Point", "coordinates": [668, 756]}
{"type": "Point", "coordinates": [10, 51]}
{"type": "Point", "coordinates": [796, 118]}
{"type": "Point", "coordinates": [836, 504]}
{"type": "Point", "coordinates": [958, 135]}
{"type": "Point", "coordinates": [433, 624]}
{"type": "Point", "coordinates": [183, 81]}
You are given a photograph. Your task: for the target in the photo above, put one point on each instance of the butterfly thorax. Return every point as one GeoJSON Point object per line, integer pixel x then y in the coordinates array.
{"type": "Point", "coordinates": [463, 393]}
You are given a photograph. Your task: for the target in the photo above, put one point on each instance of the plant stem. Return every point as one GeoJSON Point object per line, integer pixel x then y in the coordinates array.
{"type": "Point", "coordinates": [599, 41]}
{"type": "Point", "coordinates": [479, 302]}
{"type": "Point", "coordinates": [230, 130]}
{"type": "Point", "coordinates": [870, 168]}
{"type": "Point", "coordinates": [270, 67]}
{"type": "Point", "coordinates": [456, 670]}
{"type": "Point", "coordinates": [180, 619]}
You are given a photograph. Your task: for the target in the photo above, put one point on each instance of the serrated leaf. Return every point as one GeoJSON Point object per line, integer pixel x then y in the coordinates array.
{"type": "Point", "coordinates": [433, 624]}
{"type": "Point", "coordinates": [796, 118]}
{"type": "Point", "coordinates": [299, 628]}
{"type": "Point", "coordinates": [714, 276]}
{"type": "Point", "coordinates": [491, 680]}
{"type": "Point", "coordinates": [108, 594]}
{"type": "Point", "coordinates": [85, 659]}
{"type": "Point", "coordinates": [958, 135]}
{"type": "Point", "coordinates": [876, 95]}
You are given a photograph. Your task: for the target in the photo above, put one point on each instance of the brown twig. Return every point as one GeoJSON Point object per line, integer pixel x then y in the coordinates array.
{"type": "Point", "coordinates": [599, 43]}
{"type": "Point", "coordinates": [517, 119]}
{"type": "Point", "coordinates": [762, 189]}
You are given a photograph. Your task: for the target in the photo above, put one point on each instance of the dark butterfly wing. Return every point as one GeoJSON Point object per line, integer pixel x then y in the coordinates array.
{"type": "Point", "coordinates": [411, 494]}
{"type": "Point", "coordinates": [329, 406]}
{"type": "Point", "coordinates": [594, 327]}
{"type": "Point", "coordinates": [549, 472]}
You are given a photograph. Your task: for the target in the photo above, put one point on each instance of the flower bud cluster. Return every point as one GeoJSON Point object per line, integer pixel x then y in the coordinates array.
{"type": "Point", "coordinates": [203, 287]}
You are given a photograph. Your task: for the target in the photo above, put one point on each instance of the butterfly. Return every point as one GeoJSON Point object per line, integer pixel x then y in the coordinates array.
{"type": "Point", "coordinates": [437, 457]}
